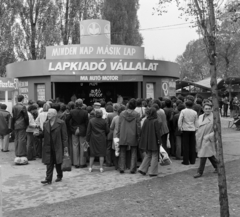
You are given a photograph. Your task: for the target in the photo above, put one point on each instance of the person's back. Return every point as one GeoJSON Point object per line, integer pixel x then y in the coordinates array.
{"type": "Point", "coordinates": [162, 119]}
{"type": "Point", "coordinates": [18, 116]}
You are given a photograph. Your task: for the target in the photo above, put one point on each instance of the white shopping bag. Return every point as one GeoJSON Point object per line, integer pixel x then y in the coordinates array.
{"type": "Point", "coordinates": [164, 159]}
{"type": "Point", "coordinates": [116, 145]}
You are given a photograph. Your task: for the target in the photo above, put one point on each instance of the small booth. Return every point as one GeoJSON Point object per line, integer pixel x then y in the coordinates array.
{"type": "Point", "coordinates": [8, 91]}
{"type": "Point", "coordinates": [93, 70]}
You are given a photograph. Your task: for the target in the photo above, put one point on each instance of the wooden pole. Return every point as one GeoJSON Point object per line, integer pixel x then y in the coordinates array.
{"type": "Point", "coordinates": [1, 192]}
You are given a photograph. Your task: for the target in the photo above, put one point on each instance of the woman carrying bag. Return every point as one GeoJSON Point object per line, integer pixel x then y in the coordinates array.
{"type": "Point", "coordinates": [150, 142]}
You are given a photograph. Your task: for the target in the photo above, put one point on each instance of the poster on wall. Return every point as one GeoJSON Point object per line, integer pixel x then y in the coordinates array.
{"type": "Point", "coordinates": [150, 90]}
{"type": "Point", "coordinates": [41, 92]}
{"type": "Point", "coordinates": [169, 87]}
{"type": "Point", "coordinates": [23, 90]}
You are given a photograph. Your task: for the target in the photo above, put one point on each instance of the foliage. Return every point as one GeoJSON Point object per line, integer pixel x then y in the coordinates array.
{"type": "Point", "coordinates": [124, 21]}
{"type": "Point", "coordinates": [193, 62]}
{"type": "Point", "coordinates": [7, 16]}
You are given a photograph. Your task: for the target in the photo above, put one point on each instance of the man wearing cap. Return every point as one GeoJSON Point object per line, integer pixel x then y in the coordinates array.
{"type": "Point", "coordinates": [54, 146]}
{"type": "Point", "coordinates": [77, 122]}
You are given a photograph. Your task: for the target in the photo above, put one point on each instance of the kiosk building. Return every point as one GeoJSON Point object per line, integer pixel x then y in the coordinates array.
{"type": "Point", "coordinates": [93, 70]}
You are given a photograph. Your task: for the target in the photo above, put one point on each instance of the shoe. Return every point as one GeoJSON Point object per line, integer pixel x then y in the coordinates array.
{"type": "Point", "coordinates": [121, 171]}
{"type": "Point", "coordinates": [5, 151]}
{"type": "Point", "coordinates": [77, 167]}
{"type": "Point", "coordinates": [185, 163]}
{"type": "Point", "coordinates": [198, 175]}
{"type": "Point", "coordinates": [132, 172]}
{"type": "Point", "coordinates": [152, 175]}
{"type": "Point", "coordinates": [140, 171]}
{"type": "Point", "coordinates": [101, 170]}
{"type": "Point", "coordinates": [58, 180]}
{"type": "Point", "coordinates": [83, 166]}
{"type": "Point", "coordinates": [215, 171]}
{"type": "Point", "coordinates": [108, 165]}
{"type": "Point", "coordinates": [46, 182]}
{"type": "Point", "coordinates": [90, 169]}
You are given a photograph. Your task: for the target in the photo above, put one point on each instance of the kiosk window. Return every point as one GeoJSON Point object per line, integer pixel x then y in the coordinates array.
{"type": "Point", "coordinates": [150, 90]}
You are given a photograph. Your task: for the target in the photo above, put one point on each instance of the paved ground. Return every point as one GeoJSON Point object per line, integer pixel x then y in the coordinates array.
{"type": "Point", "coordinates": [22, 188]}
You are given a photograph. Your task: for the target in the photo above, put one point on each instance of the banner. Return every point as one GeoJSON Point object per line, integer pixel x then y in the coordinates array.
{"type": "Point", "coordinates": [94, 51]}
{"type": "Point", "coordinates": [8, 84]}
{"type": "Point", "coordinates": [169, 87]}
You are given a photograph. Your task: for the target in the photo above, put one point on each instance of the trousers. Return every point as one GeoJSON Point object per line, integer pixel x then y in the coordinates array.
{"type": "Point", "coordinates": [31, 148]}
{"type": "Point", "coordinates": [178, 146]}
{"type": "Point", "coordinates": [50, 167]}
{"type": "Point", "coordinates": [4, 142]}
{"type": "Point", "coordinates": [109, 154]}
{"type": "Point", "coordinates": [78, 150]}
{"type": "Point", "coordinates": [150, 163]}
{"type": "Point", "coordinates": [123, 160]}
{"type": "Point", "coordinates": [20, 143]}
{"type": "Point", "coordinates": [189, 147]}
{"type": "Point", "coordinates": [203, 160]}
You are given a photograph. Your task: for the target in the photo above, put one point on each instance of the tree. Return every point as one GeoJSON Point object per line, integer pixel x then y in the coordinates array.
{"type": "Point", "coordinates": [35, 28]}
{"type": "Point", "coordinates": [193, 62]}
{"type": "Point", "coordinates": [71, 12]}
{"type": "Point", "coordinates": [7, 16]}
{"type": "Point", "coordinates": [204, 13]}
{"type": "Point", "coordinates": [124, 21]}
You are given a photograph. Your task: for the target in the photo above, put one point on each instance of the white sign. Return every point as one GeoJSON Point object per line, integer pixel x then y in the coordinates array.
{"type": "Point", "coordinates": [150, 90]}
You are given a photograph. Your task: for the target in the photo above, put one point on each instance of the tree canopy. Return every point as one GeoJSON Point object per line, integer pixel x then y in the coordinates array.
{"type": "Point", "coordinates": [124, 21]}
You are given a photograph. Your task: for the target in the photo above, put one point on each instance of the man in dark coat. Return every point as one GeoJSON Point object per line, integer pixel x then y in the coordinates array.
{"type": "Point", "coordinates": [78, 118]}
{"type": "Point", "coordinates": [20, 124]}
{"type": "Point", "coordinates": [55, 144]}
{"type": "Point", "coordinates": [129, 131]}
{"type": "Point", "coordinates": [5, 118]}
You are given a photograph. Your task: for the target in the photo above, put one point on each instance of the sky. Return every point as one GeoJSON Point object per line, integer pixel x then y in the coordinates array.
{"type": "Point", "coordinates": [165, 44]}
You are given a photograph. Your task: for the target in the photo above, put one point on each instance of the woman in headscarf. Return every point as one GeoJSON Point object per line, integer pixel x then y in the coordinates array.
{"type": "Point", "coordinates": [97, 138]}
{"type": "Point", "coordinates": [150, 142]}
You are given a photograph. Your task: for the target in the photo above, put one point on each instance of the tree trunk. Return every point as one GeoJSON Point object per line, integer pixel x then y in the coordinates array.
{"type": "Point", "coordinates": [65, 35]}
{"type": "Point", "coordinates": [222, 183]}
{"type": "Point", "coordinates": [33, 31]}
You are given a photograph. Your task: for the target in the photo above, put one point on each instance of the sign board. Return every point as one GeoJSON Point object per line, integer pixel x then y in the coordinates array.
{"type": "Point", "coordinates": [169, 87]}
{"type": "Point", "coordinates": [8, 84]}
{"type": "Point", "coordinates": [23, 90]}
{"type": "Point", "coordinates": [150, 90]}
{"type": "Point", "coordinates": [100, 78]}
{"type": "Point", "coordinates": [41, 92]}
{"type": "Point", "coordinates": [97, 65]}
{"type": "Point", "coordinates": [94, 51]}
{"type": "Point", "coordinates": [95, 32]}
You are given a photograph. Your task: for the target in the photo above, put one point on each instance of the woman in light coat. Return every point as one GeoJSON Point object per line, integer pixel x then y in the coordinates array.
{"type": "Point", "coordinates": [205, 139]}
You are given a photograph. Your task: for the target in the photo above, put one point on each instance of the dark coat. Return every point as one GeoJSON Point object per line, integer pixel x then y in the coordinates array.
{"type": "Point", "coordinates": [78, 118]}
{"type": "Point", "coordinates": [177, 132]}
{"type": "Point", "coordinates": [20, 117]}
{"type": "Point", "coordinates": [109, 121]}
{"type": "Point", "coordinates": [150, 136]}
{"type": "Point", "coordinates": [97, 137]}
{"type": "Point", "coordinates": [5, 119]}
{"type": "Point", "coordinates": [169, 115]}
{"type": "Point", "coordinates": [129, 129]}
{"type": "Point", "coordinates": [59, 138]}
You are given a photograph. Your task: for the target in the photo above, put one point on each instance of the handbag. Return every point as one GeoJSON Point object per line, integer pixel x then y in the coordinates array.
{"type": "Point", "coordinates": [86, 149]}
{"type": "Point", "coordinates": [164, 159]}
{"type": "Point", "coordinates": [66, 164]}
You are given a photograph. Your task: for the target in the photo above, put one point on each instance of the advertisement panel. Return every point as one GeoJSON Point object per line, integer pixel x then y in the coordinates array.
{"type": "Point", "coordinates": [8, 84]}
{"type": "Point", "coordinates": [169, 87]}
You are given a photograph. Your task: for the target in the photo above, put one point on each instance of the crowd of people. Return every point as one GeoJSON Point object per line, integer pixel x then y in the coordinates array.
{"type": "Point", "coordinates": [119, 135]}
